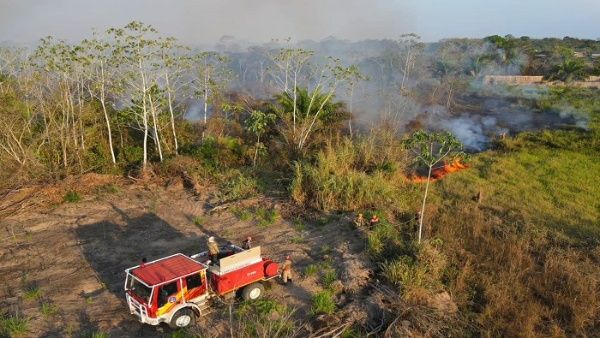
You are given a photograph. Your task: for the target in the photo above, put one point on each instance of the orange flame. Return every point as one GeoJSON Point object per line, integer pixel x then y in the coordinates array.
{"type": "Point", "coordinates": [438, 173]}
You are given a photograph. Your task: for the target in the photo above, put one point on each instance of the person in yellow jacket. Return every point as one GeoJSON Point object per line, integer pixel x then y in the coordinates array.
{"type": "Point", "coordinates": [286, 270]}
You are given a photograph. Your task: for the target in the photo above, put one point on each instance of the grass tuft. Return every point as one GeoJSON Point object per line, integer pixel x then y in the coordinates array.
{"type": "Point", "coordinates": [14, 325]}
{"type": "Point", "coordinates": [48, 309]}
{"type": "Point", "coordinates": [241, 213]}
{"type": "Point", "coordinates": [311, 270]}
{"type": "Point", "coordinates": [32, 293]}
{"type": "Point", "coordinates": [71, 197]}
{"type": "Point", "coordinates": [266, 217]}
{"type": "Point", "coordinates": [198, 220]}
{"type": "Point", "coordinates": [323, 303]}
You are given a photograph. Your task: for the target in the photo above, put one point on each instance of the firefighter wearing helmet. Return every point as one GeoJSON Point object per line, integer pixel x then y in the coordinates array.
{"type": "Point", "coordinates": [213, 250]}
{"type": "Point", "coordinates": [286, 270]}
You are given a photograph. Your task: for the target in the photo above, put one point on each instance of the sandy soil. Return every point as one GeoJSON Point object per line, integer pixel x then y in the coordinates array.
{"type": "Point", "coordinates": [75, 253]}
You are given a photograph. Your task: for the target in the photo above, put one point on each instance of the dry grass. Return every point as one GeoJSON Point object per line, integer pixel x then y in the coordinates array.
{"type": "Point", "coordinates": [352, 176]}
{"type": "Point", "coordinates": [526, 257]}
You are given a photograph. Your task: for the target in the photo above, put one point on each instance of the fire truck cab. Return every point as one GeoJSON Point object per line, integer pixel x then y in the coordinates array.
{"type": "Point", "coordinates": [178, 288]}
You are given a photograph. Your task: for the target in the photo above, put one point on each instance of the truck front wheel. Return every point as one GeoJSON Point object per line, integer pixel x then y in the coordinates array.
{"type": "Point", "coordinates": [182, 318]}
{"type": "Point", "coordinates": [253, 291]}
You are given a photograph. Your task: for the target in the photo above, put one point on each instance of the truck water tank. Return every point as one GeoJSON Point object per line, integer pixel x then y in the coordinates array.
{"type": "Point", "coordinates": [271, 269]}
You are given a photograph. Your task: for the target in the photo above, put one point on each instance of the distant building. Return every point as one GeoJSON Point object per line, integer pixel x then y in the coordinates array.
{"type": "Point", "coordinates": [512, 79]}
{"type": "Point", "coordinates": [595, 55]}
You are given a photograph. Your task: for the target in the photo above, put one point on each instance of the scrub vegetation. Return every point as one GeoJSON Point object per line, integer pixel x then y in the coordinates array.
{"type": "Point", "coordinates": [507, 245]}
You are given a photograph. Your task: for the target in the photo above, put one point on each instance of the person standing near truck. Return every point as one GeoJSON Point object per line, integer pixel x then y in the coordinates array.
{"type": "Point", "coordinates": [286, 270]}
{"type": "Point", "coordinates": [247, 243]}
{"type": "Point", "coordinates": [213, 250]}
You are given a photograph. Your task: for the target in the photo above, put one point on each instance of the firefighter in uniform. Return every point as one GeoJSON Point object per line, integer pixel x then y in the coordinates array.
{"type": "Point", "coordinates": [286, 270]}
{"type": "Point", "coordinates": [247, 243]}
{"type": "Point", "coordinates": [213, 250]}
{"type": "Point", "coordinates": [374, 220]}
{"type": "Point", "coordinates": [359, 221]}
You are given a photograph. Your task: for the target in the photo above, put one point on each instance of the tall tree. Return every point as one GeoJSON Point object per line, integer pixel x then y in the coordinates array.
{"type": "Point", "coordinates": [175, 65]}
{"type": "Point", "coordinates": [289, 64]}
{"type": "Point", "coordinates": [136, 53]}
{"type": "Point", "coordinates": [258, 123]}
{"type": "Point", "coordinates": [97, 56]}
{"type": "Point", "coordinates": [57, 62]}
{"type": "Point", "coordinates": [210, 74]}
{"type": "Point", "coordinates": [429, 149]}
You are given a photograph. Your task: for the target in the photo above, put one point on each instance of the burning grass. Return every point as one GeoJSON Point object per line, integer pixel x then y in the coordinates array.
{"type": "Point", "coordinates": [439, 172]}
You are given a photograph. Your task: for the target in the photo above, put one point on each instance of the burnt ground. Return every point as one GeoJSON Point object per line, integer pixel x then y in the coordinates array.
{"type": "Point", "coordinates": [73, 255]}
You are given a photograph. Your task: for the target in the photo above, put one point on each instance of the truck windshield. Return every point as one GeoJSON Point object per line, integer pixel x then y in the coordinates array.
{"type": "Point", "coordinates": [139, 289]}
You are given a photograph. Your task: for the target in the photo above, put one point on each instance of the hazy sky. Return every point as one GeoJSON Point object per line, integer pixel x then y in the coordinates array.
{"type": "Point", "coordinates": [205, 21]}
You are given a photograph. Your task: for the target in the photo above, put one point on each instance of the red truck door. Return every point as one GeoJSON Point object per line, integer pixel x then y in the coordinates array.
{"type": "Point", "coordinates": [195, 285]}
{"type": "Point", "coordinates": [168, 295]}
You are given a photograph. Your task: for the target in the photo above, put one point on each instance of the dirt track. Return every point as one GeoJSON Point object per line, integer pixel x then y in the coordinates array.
{"type": "Point", "coordinates": [75, 253]}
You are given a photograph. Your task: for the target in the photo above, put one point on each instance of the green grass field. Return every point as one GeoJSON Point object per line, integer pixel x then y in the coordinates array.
{"type": "Point", "coordinates": [541, 188]}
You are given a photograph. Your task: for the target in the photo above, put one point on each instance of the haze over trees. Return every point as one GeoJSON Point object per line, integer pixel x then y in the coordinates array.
{"type": "Point", "coordinates": [334, 127]}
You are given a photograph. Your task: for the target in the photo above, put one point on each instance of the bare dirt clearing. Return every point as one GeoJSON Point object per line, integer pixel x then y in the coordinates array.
{"type": "Point", "coordinates": [72, 255]}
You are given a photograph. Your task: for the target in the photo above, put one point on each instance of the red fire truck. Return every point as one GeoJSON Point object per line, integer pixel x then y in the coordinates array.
{"type": "Point", "coordinates": [178, 288]}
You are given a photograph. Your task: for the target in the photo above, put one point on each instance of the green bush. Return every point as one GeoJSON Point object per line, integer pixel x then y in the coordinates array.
{"type": "Point", "coordinates": [266, 217]}
{"type": "Point", "coordinates": [71, 197]}
{"type": "Point", "coordinates": [339, 180]}
{"type": "Point", "coordinates": [423, 272]}
{"type": "Point", "coordinates": [311, 270]}
{"type": "Point", "coordinates": [107, 189]}
{"type": "Point", "coordinates": [329, 277]}
{"type": "Point", "coordinates": [236, 187]}
{"type": "Point", "coordinates": [241, 213]}
{"type": "Point", "coordinates": [217, 152]}
{"type": "Point", "coordinates": [181, 333]}
{"type": "Point", "coordinates": [297, 240]}
{"type": "Point", "coordinates": [13, 325]}
{"type": "Point", "coordinates": [132, 154]}
{"type": "Point", "coordinates": [32, 293]}
{"type": "Point", "coordinates": [299, 224]}
{"type": "Point", "coordinates": [48, 309]}
{"type": "Point", "coordinates": [323, 303]}
{"type": "Point", "coordinates": [385, 241]}
{"type": "Point", "coordinates": [98, 334]}
{"type": "Point", "coordinates": [265, 318]}
{"type": "Point", "coordinates": [198, 220]}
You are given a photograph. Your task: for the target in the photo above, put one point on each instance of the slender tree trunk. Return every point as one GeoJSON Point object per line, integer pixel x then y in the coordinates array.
{"type": "Point", "coordinates": [450, 98]}
{"type": "Point", "coordinates": [144, 114]}
{"type": "Point", "coordinates": [63, 138]}
{"type": "Point", "coordinates": [406, 71]}
{"type": "Point", "coordinates": [295, 100]}
{"type": "Point", "coordinates": [105, 111]}
{"type": "Point", "coordinates": [423, 206]}
{"type": "Point", "coordinates": [206, 85]}
{"type": "Point", "coordinates": [256, 151]}
{"type": "Point", "coordinates": [351, 111]}
{"type": "Point", "coordinates": [170, 100]}
{"type": "Point", "coordinates": [154, 126]}
{"type": "Point", "coordinates": [80, 110]}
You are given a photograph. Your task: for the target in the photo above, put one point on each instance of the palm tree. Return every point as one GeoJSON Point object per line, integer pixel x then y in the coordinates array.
{"type": "Point", "coordinates": [316, 113]}
{"type": "Point", "coordinates": [311, 104]}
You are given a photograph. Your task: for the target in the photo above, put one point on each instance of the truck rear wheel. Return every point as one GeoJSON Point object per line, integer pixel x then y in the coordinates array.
{"type": "Point", "coordinates": [253, 291]}
{"type": "Point", "coordinates": [183, 318]}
